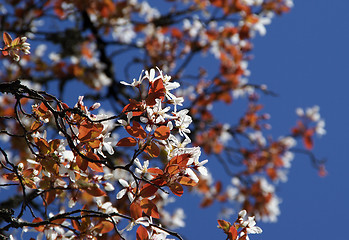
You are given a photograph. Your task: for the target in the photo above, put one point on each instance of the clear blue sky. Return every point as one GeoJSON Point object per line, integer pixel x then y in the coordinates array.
{"type": "Point", "coordinates": [304, 58]}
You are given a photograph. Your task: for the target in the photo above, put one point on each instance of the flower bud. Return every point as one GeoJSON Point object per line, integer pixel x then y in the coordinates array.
{"type": "Point", "coordinates": [242, 213]}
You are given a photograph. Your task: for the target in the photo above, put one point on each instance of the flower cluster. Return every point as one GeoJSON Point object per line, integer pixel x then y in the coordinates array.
{"type": "Point", "coordinates": [13, 47]}
{"type": "Point", "coordinates": [240, 228]}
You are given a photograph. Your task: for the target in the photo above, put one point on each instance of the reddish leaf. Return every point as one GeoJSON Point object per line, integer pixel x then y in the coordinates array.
{"type": "Point", "coordinates": [155, 171]}
{"type": "Point", "coordinates": [134, 107]}
{"type": "Point", "coordinates": [35, 126]}
{"type": "Point", "coordinates": [136, 130]}
{"type": "Point", "coordinates": [224, 225]}
{"type": "Point", "coordinates": [54, 144]}
{"type": "Point", "coordinates": [96, 166]}
{"type": "Point", "coordinates": [162, 133]}
{"type": "Point", "coordinates": [95, 143]}
{"type": "Point", "coordinates": [218, 186]}
{"type": "Point", "coordinates": [26, 173]}
{"type": "Point", "coordinates": [176, 33]}
{"type": "Point", "coordinates": [206, 202]}
{"type": "Point", "coordinates": [172, 169]}
{"type": "Point", "coordinates": [58, 221]}
{"type": "Point", "coordinates": [16, 41]}
{"type": "Point", "coordinates": [42, 145]}
{"type": "Point", "coordinates": [148, 190]}
{"type": "Point", "coordinates": [176, 188]}
{"type": "Point", "coordinates": [149, 208]}
{"type": "Point", "coordinates": [7, 38]}
{"type": "Point", "coordinates": [39, 228]}
{"type": "Point", "coordinates": [135, 210]}
{"type": "Point", "coordinates": [307, 139]}
{"type": "Point", "coordinates": [89, 131]}
{"type": "Point", "coordinates": [142, 233]}
{"type": "Point", "coordinates": [104, 227]}
{"type": "Point", "coordinates": [156, 91]}
{"type": "Point", "coordinates": [30, 183]}
{"type": "Point", "coordinates": [95, 191]}
{"type": "Point", "coordinates": [233, 233]}
{"type": "Point", "coordinates": [75, 224]}
{"type": "Point", "coordinates": [127, 142]}
{"type": "Point", "coordinates": [10, 176]}
{"type": "Point", "coordinates": [152, 149]}
{"type": "Point", "coordinates": [181, 160]}
{"type": "Point", "coordinates": [50, 196]}
{"type": "Point", "coordinates": [82, 163]}
{"type": "Point", "coordinates": [187, 181]}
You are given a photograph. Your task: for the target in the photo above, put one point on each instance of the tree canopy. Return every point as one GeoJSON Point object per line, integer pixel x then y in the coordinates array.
{"type": "Point", "coordinates": [124, 105]}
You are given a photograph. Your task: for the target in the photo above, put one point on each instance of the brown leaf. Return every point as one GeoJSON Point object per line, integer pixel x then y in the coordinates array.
{"type": "Point", "coordinates": [7, 38]}
{"type": "Point", "coordinates": [127, 142]}
{"type": "Point", "coordinates": [149, 208]}
{"type": "Point", "coordinates": [162, 133]}
{"type": "Point", "coordinates": [142, 233]}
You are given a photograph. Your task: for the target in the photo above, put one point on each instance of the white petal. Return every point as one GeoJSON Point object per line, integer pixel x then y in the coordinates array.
{"type": "Point", "coordinates": [151, 75]}
{"type": "Point", "coordinates": [242, 213]}
{"type": "Point", "coordinates": [124, 183]}
{"type": "Point", "coordinates": [121, 194]}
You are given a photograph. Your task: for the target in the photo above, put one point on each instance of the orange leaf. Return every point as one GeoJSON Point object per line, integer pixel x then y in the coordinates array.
{"type": "Point", "coordinates": [10, 176]}
{"type": "Point", "coordinates": [233, 233]}
{"type": "Point", "coordinates": [75, 224]}
{"type": "Point", "coordinates": [142, 233]}
{"type": "Point", "coordinates": [152, 149]}
{"type": "Point", "coordinates": [155, 171]}
{"type": "Point", "coordinates": [50, 197]}
{"type": "Point", "coordinates": [149, 208]}
{"type": "Point", "coordinates": [54, 144]}
{"type": "Point", "coordinates": [95, 143]}
{"type": "Point", "coordinates": [136, 130]}
{"type": "Point", "coordinates": [96, 166]}
{"type": "Point", "coordinates": [58, 221]}
{"type": "Point", "coordinates": [148, 190]}
{"type": "Point", "coordinates": [127, 142]}
{"type": "Point", "coordinates": [180, 160]}
{"type": "Point", "coordinates": [89, 131]}
{"type": "Point", "coordinates": [95, 191]}
{"type": "Point", "coordinates": [135, 210]}
{"type": "Point", "coordinates": [39, 228]}
{"type": "Point", "coordinates": [224, 225]}
{"type": "Point", "coordinates": [206, 202]}
{"type": "Point", "coordinates": [176, 33]}
{"type": "Point", "coordinates": [30, 183]}
{"type": "Point", "coordinates": [42, 145]}
{"type": "Point", "coordinates": [176, 188]}
{"type": "Point", "coordinates": [7, 38]}
{"type": "Point", "coordinates": [162, 133]}
{"type": "Point", "coordinates": [82, 163]}
{"type": "Point", "coordinates": [157, 90]}
{"type": "Point", "coordinates": [187, 181]}
{"type": "Point", "coordinates": [104, 227]}
{"type": "Point", "coordinates": [307, 139]}
{"type": "Point", "coordinates": [16, 41]}
{"type": "Point", "coordinates": [172, 169]}
{"type": "Point", "coordinates": [35, 126]}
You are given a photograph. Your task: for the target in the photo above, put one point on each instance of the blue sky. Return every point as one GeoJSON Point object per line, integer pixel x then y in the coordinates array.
{"type": "Point", "coordinates": [304, 58]}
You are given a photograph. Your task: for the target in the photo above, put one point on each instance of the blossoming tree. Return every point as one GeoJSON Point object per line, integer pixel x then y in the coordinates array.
{"type": "Point", "coordinates": [114, 160]}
